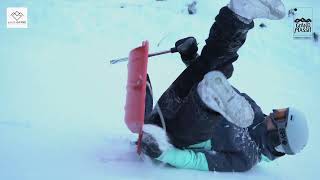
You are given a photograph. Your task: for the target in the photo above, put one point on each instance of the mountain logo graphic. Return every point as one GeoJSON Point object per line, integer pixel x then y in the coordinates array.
{"type": "Point", "coordinates": [17, 15]}
{"type": "Point", "coordinates": [302, 20]}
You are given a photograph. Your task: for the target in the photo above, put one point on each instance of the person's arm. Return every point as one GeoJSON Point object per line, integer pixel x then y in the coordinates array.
{"type": "Point", "coordinates": [240, 155]}
{"type": "Point", "coordinates": [206, 160]}
{"type": "Point", "coordinates": [236, 152]}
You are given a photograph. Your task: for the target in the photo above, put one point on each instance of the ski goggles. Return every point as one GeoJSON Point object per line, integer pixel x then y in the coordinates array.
{"type": "Point", "coordinates": [280, 118]}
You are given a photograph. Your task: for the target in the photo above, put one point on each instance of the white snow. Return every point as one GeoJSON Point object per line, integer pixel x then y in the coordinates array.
{"type": "Point", "coordinates": [62, 103]}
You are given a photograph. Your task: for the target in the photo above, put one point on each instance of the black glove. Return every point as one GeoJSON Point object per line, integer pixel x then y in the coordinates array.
{"type": "Point", "coordinates": [187, 47]}
{"type": "Point", "coordinates": [149, 146]}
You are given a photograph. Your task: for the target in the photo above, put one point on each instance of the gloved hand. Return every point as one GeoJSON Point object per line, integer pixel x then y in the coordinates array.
{"type": "Point", "coordinates": [149, 146]}
{"type": "Point", "coordinates": [187, 47]}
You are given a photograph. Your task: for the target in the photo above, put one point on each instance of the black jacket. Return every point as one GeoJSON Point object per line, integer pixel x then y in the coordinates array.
{"type": "Point", "coordinates": [189, 121]}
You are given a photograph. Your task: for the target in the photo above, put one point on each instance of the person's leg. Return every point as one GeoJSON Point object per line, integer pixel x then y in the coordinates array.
{"type": "Point", "coordinates": [188, 119]}
{"type": "Point", "coordinates": [214, 90]}
{"type": "Point", "coordinates": [226, 36]}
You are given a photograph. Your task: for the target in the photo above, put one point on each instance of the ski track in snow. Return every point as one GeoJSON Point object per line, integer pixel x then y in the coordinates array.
{"type": "Point", "coordinates": [62, 103]}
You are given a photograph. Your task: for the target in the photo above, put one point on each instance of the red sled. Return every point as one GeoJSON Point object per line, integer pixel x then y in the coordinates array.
{"type": "Point", "coordinates": [136, 90]}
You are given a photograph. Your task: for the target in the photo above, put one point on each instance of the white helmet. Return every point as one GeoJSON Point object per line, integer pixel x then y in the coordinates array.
{"type": "Point", "coordinates": [293, 131]}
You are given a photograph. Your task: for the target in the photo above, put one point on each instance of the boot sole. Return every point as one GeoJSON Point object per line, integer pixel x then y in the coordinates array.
{"type": "Point", "coordinates": [216, 92]}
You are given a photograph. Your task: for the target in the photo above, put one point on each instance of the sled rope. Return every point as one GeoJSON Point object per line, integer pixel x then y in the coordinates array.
{"type": "Point", "coordinates": [161, 118]}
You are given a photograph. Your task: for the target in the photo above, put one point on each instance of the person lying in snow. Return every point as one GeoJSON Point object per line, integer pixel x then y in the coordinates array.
{"type": "Point", "coordinates": [202, 122]}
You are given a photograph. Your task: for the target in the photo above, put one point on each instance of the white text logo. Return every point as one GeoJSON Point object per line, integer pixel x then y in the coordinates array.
{"type": "Point", "coordinates": [302, 22]}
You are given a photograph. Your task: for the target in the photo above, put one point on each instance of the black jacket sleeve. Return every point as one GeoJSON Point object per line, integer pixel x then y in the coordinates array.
{"type": "Point", "coordinates": [231, 161]}
{"type": "Point", "coordinates": [240, 154]}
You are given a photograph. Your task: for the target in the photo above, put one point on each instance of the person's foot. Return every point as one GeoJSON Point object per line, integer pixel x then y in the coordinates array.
{"type": "Point", "coordinates": [251, 9]}
{"type": "Point", "coordinates": [216, 92]}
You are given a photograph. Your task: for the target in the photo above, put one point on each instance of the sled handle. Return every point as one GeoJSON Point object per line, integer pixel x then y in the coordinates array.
{"type": "Point", "coordinates": [172, 50]}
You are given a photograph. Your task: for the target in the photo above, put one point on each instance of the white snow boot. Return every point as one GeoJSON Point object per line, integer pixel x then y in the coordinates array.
{"type": "Point", "coordinates": [216, 92]}
{"type": "Point", "coordinates": [251, 9]}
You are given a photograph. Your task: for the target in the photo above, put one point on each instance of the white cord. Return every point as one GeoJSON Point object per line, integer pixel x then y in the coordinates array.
{"type": "Point", "coordinates": [161, 118]}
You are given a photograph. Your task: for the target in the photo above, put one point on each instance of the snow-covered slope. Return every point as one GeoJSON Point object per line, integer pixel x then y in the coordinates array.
{"type": "Point", "coordinates": [61, 102]}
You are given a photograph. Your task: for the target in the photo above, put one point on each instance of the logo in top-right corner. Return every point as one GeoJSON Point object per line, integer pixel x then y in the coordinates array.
{"type": "Point", "coordinates": [302, 22]}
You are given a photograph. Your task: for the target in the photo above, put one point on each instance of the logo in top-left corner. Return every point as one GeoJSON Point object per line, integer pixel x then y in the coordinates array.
{"type": "Point", "coordinates": [17, 17]}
